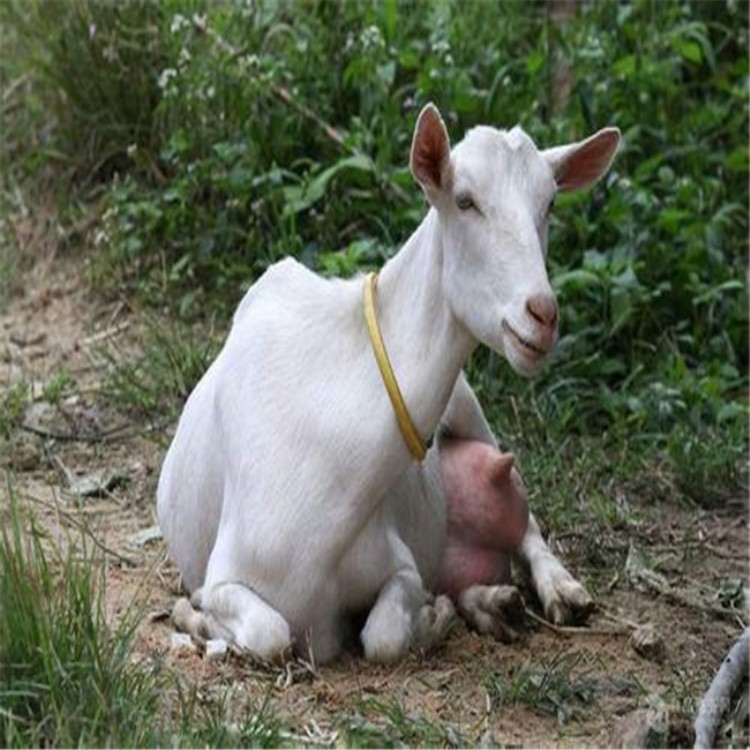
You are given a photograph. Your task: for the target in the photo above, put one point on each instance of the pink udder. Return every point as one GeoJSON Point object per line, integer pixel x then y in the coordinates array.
{"type": "Point", "coordinates": [487, 515]}
{"type": "Point", "coordinates": [464, 567]}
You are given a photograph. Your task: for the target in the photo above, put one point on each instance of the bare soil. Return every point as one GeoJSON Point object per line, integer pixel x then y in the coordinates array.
{"type": "Point", "coordinates": [472, 687]}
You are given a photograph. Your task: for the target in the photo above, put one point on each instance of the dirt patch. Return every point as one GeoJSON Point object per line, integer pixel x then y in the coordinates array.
{"type": "Point", "coordinates": [561, 688]}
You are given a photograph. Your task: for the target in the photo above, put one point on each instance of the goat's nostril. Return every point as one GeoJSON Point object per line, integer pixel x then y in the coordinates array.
{"type": "Point", "coordinates": [543, 308]}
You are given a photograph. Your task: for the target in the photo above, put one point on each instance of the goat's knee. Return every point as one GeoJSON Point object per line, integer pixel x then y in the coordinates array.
{"type": "Point", "coordinates": [389, 629]}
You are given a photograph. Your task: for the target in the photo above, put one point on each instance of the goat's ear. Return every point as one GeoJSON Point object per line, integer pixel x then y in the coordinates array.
{"type": "Point", "coordinates": [431, 153]}
{"type": "Point", "coordinates": [581, 164]}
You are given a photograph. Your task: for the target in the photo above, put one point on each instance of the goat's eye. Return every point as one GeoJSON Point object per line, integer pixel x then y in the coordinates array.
{"type": "Point", "coordinates": [465, 202]}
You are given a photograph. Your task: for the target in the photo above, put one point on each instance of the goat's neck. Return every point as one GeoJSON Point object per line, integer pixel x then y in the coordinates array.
{"type": "Point", "coordinates": [426, 343]}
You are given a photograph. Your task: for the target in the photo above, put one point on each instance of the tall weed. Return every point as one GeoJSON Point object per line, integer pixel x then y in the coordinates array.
{"type": "Point", "coordinates": [69, 676]}
{"type": "Point", "coordinates": [66, 678]}
{"type": "Point", "coordinates": [94, 70]}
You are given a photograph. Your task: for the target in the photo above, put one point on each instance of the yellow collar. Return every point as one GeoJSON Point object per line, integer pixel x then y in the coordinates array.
{"type": "Point", "coordinates": [412, 438]}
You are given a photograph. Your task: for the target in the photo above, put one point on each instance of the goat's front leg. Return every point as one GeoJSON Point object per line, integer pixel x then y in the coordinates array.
{"type": "Point", "coordinates": [405, 615]}
{"type": "Point", "coordinates": [389, 629]}
{"type": "Point", "coordinates": [563, 598]}
{"type": "Point", "coordinates": [402, 616]}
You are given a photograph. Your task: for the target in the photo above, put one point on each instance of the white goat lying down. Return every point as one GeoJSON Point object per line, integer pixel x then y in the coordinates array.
{"type": "Point", "coordinates": [289, 497]}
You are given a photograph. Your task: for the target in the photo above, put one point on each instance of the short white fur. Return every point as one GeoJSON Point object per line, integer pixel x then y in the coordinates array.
{"type": "Point", "coordinates": [288, 498]}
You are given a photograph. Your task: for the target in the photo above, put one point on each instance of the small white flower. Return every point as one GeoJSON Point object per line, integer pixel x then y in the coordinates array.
{"type": "Point", "coordinates": [441, 46]}
{"type": "Point", "coordinates": [109, 53]}
{"type": "Point", "coordinates": [184, 57]}
{"type": "Point", "coordinates": [371, 38]}
{"type": "Point", "coordinates": [248, 62]}
{"type": "Point", "coordinates": [131, 150]}
{"type": "Point", "coordinates": [179, 22]}
{"type": "Point", "coordinates": [165, 77]}
{"type": "Point", "coordinates": [199, 21]}
{"type": "Point", "coordinates": [210, 92]}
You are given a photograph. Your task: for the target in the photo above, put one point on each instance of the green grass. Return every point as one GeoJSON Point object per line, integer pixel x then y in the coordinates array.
{"type": "Point", "coordinates": [548, 687]}
{"type": "Point", "coordinates": [93, 117]}
{"type": "Point", "coordinates": [66, 679]}
{"type": "Point", "coordinates": [69, 677]}
{"type": "Point", "coordinates": [386, 723]}
{"type": "Point", "coordinates": [157, 382]}
{"type": "Point", "coordinates": [57, 387]}
{"type": "Point", "coordinates": [12, 404]}
{"type": "Point", "coordinates": [566, 685]}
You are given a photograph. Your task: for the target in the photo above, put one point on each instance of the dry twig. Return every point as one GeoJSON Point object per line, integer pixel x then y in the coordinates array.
{"type": "Point", "coordinates": [105, 334]}
{"type": "Point", "coordinates": [75, 437]}
{"type": "Point", "coordinates": [717, 699]}
{"type": "Point", "coordinates": [570, 630]}
{"type": "Point", "coordinates": [84, 529]}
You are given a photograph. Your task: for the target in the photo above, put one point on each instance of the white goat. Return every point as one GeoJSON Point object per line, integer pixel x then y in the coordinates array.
{"type": "Point", "coordinates": [274, 495]}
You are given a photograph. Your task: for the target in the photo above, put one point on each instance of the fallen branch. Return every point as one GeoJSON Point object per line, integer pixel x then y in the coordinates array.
{"type": "Point", "coordinates": [619, 620]}
{"type": "Point", "coordinates": [75, 437]}
{"type": "Point", "coordinates": [108, 333]}
{"type": "Point", "coordinates": [645, 579]}
{"type": "Point", "coordinates": [717, 699]}
{"type": "Point", "coordinates": [83, 528]}
{"type": "Point", "coordinates": [569, 630]}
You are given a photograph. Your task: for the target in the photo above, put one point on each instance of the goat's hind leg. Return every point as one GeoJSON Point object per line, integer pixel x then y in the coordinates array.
{"type": "Point", "coordinates": [238, 615]}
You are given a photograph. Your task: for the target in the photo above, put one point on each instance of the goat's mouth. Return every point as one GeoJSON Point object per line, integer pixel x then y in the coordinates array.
{"type": "Point", "coordinates": [528, 348]}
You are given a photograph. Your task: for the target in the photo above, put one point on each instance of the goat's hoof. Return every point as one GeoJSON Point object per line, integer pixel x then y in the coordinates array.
{"type": "Point", "coordinates": [571, 605]}
{"type": "Point", "coordinates": [189, 620]}
{"type": "Point", "coordinates": [564, 600]}
{"type": "Point", "coordinates": [497, 610]}
{"type": "Point", "coordinates": [435, 622]}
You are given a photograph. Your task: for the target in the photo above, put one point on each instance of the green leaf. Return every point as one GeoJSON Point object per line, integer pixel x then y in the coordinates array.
{"type": "Point", "coordinates": [299, 199]}
{"type": "Point", "coordinates": [625, 66]}
{"type": "Point", "coordinates": [576, 280]}
{"type": "Point", "coordinates": [688, 49]}
{"type": "Point", "coordinates": [736, 160]}
{"type": "Point", "coordinates": [535, 61]}
{"type": "Point", "coordinates": [621, 308]}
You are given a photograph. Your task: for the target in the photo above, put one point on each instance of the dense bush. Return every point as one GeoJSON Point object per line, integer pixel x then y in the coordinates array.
{"type": "Point", "coordinates": [219, 133]}
{"type": "Point", "coordinates": [94, 64]}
